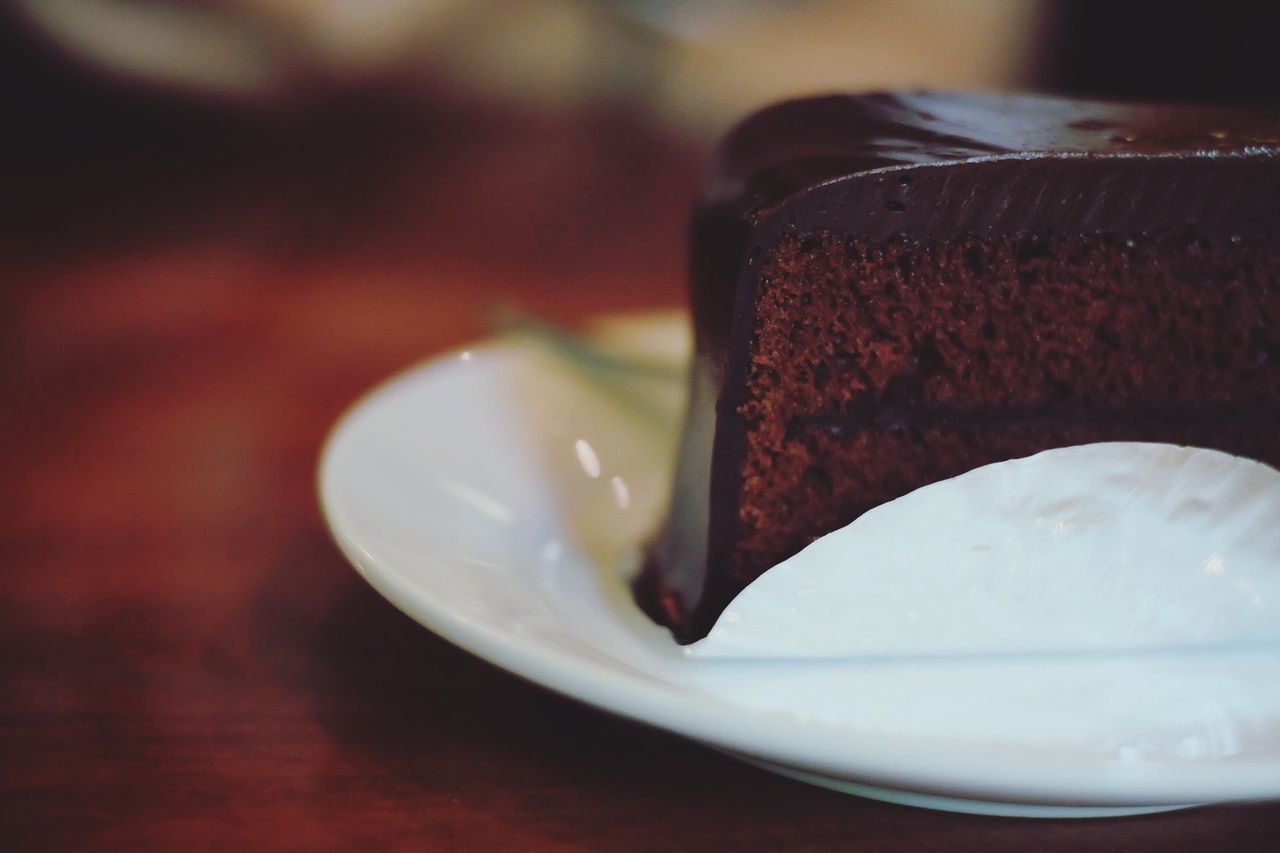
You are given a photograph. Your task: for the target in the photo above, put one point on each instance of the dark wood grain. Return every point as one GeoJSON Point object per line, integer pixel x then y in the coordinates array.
{"type": "Point", "coordinates": [185, 660]}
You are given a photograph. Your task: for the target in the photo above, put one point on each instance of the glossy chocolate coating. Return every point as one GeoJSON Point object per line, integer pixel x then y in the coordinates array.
{"type": "Point", "coordinates": [929, 164]}
{"type": "Point", "coordinates": [926, 166]}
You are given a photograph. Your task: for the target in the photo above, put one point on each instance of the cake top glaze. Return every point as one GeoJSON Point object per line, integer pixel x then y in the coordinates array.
{"type": "Point", "coordinates": [798, 144]}
{"type": "Point", "coordinates": [934, 165]}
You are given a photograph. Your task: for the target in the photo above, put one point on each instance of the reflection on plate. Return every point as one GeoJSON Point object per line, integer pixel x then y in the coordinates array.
{"type": "Point", "coordinates": [499, 496]}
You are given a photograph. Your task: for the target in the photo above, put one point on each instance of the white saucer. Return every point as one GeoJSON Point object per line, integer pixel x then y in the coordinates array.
{"type": "Point", "coordinates": [499, 496]}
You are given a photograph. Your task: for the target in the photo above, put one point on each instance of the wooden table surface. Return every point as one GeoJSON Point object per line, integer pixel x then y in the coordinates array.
{"type": "Point", "coordinates": [186, 662]}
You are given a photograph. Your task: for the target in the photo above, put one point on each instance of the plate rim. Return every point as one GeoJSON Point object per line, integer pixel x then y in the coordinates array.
{"type": "Point", "coordinates": [903, 763]}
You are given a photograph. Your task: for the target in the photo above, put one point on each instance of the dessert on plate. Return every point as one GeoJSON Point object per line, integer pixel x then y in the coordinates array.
{"type": "Point", "coordinates": [891, 290]}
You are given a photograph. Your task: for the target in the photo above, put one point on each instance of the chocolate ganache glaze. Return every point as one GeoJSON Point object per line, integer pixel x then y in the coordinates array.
{"type": "Point", "coordinates": [970, 174]}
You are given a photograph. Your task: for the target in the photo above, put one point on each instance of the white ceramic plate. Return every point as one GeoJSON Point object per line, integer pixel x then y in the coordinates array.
{"type": "Point", "coordinates": [500, 495]}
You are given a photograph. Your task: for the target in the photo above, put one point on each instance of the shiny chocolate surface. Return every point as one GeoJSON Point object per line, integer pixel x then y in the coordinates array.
{"type": "Point", "coordinates": [922, 166]}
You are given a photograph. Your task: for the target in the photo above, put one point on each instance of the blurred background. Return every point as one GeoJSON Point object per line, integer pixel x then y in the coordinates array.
{"type": "Point", "coordinates": [504, 132]}
{"type": "Point", "coordinates": [509, 140]}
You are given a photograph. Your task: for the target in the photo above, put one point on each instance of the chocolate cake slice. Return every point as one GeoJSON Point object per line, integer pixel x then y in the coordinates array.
{"type": "Point", "coordinates": [891, 290]}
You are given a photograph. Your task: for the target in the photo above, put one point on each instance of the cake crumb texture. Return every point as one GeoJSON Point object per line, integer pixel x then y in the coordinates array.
{"type": "Point", "coordinates": [879, 367]}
